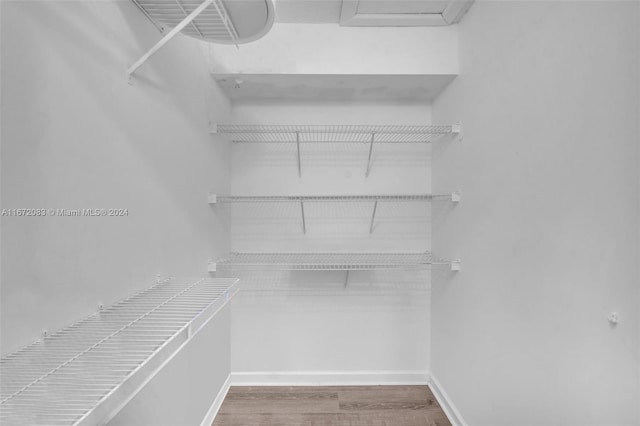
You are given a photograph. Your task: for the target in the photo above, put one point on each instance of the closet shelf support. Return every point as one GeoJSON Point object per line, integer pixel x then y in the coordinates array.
{"type": "Point", "coordinates": [455, 265]}
{"type": "Point", "coordinates": [373, 216]}
{"type": "Point", "coordinates": [304, 223]}
{"type": "Point", "coordinates": [164, 40]}
{"type": "Point", "coordinates": [298, 145]}
{"type": "Point", "coordinates": [193, 24]}
{"type": "Point", "coordinates": [373, 136]}
{"type": "Point", "coordinates": [456, 131]}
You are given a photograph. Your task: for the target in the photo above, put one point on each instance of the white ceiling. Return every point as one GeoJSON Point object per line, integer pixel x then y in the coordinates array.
{"type": "Point", "coordinates": [308, 11]}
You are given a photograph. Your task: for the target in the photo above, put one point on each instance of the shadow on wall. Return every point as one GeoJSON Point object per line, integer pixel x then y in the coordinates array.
{"type": "Point", "coordinates": [76, 135]}
{"type": "Point", "coordinates": [332, 222]}
{"type": "Point", "coordinates": [382, 290]}
{"type": "Point", "coordinates": [339, 157]}
{"type": "Point", "coordinates": [97, 55]}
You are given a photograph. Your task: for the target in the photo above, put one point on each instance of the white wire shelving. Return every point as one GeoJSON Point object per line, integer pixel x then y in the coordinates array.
{"type": "Point", "coordinates": [85, 373]}
{"type": "Point", "coordinates": [203, 19]}
{"type": "Point", "coordinates": [328, 261]}
{"type": "Point", "coordinates": [350, 133]}
{"type": "Point", "coordinates": [454, 197]}
{"type": "Point", "coordinates": [212, 24]}
{"type": "Point", "coordinates": [302, 199]}
{"type": "Point", "coordinates": [340, 134]}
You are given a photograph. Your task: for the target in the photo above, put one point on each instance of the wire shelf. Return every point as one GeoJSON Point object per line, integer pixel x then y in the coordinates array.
{"type": "Point", "coordinates": [338, 134]}
{"type": "Point", "coordinates": [326, 261]}
{"type": "Point", "coordinates": [302, 199]}
{"type": "Point", "coordinates": [85, 373]}
{"type": "Point", "coordinates": [330, 198]}
{"type": "Point", "coordinates": [213, 24]}
{"type": "Point", "coordinates": [246, 133]}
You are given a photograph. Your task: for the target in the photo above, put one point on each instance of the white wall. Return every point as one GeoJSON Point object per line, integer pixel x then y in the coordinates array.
{"type": "Point", "coordinates": [308, 321]}
{"type": "Point", "coordinates": [182, 393]}
{"type": "Point", "coordinates": [548, 94]}
{"type": "Point", "coordinates": [330, 49]}
{"type": "Point", "coordinates": [76, 135]}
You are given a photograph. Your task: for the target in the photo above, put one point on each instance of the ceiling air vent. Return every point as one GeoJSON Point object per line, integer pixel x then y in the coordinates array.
{"type": "Point", "coordinates": [402, 13]}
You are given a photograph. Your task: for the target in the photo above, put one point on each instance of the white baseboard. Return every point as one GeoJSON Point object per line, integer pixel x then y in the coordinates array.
{"type": "Point", "coordinates": [328, 378]}
{"type": "Point", "coordinates": [445, 402]}
{"type": "Point", "coordinates": [213, 410]}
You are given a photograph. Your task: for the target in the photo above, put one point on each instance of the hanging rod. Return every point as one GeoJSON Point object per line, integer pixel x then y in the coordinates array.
{"type": "Point", "coordinates": [85, 373]}
{"type": "Point", "coordinates": [328, 261]}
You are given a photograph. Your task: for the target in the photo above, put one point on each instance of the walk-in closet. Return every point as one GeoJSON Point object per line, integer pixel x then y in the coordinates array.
{"type": "Point", "coordinates": [320, 212]}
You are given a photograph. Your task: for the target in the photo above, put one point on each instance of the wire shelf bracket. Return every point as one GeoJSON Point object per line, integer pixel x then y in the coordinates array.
{"type": "Point", "coordinates": [456, 130]}
{"type": "Point", "coordinates": [373, 137]}
{"type": "Point", "coordinates": [85, 373]}
{"type": "Point", "coordinates": [329, 262]}
{"type": "Point", "coordinates": [369, 134]}
{"type": "Point", "coordinates": [456, 265]}
{"type": "Point", "coordinates": [298, 148]}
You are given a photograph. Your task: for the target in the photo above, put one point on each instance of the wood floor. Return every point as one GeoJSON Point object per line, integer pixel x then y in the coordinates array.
{"type": "Point", "coordinates": [330, 406]}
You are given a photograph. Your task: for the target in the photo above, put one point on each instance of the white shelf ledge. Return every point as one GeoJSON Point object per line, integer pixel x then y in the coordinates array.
{"type": "Point", "coordinates": [213, 198]}
{"type": "Point", "coordinates": [259, 133]}
{"type": "Point", "coordinates": [339, 134]}
{"type": "Point", "coordinates": [327, 261]}
{"type": "Point", "coordinates": [85, 373]}
{"type": "Point", "coordinates": [302, 199]}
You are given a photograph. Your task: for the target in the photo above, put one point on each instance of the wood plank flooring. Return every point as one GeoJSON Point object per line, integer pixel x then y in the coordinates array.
{"type": "Point", "coordinates": [330, 406]}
